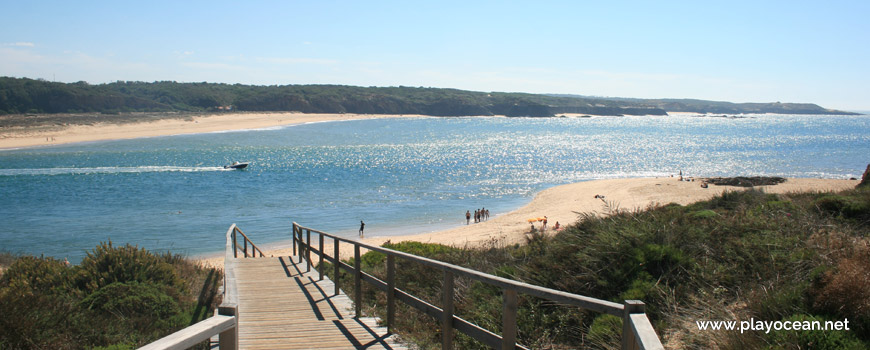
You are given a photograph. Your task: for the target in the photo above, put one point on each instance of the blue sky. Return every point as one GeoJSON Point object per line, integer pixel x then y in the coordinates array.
{"type": "Point", "coordinates": [753, 51]}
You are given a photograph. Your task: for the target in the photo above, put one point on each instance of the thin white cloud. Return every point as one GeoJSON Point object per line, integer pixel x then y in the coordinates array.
{"type": "Point", "coordinates": [20, 44]}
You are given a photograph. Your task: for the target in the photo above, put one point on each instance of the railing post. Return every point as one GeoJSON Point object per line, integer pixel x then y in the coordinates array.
{"type": "Point", "coordinates": [631, 307]}
{"type": "Point", "coordinates": [235, 245]}
{"type": "Point", "coordinates": [320, 253]}
{"type": "Point", "coordinates": [293, 233]}
{"type": "Point", "coordinates": [391, 292]}
{"type": "Point", "coordinates": [509, 320]}
{"type": "Point", "coordinates": [246, 247]}
{"type": "Point", "coordinates": [357, 281]}
{"type": "Point", "coordinates": [447, 311]}
{"type": "Point", "coordinates": [229, 339]}
{"type": "Point", "coordinates": [301, 243]}
{"type": "Point", "coordinates": [336, 268]}
{"type": "Point", "coordinates": [307, 250]}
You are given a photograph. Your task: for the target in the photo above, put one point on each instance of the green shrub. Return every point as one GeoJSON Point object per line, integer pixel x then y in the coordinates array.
{"type": "Point", "coordinates": [120, 297]}
{"type": "Point", "coordinates": [108, 264]}
{"type": "Point", "coordinates": [813, 339]}
{"type": "Point", "coordinates": [778, 302]}
{"type": "Point", "coordinates": [30, 275]}
{"type": "Point", "coordinates": [605, 331]}
{"type": "Point", "coordinates": [132, 300]}
{"type": "Point", "coordinates": [852, 207]}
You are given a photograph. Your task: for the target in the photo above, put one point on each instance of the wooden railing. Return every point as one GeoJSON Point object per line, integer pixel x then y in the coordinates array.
{"type": "Point", "coordinates": [245, 242]}
{"type": "Point", "coordinates": [637, 332]}
{"type": "Point", "coordinates": [223, 323]}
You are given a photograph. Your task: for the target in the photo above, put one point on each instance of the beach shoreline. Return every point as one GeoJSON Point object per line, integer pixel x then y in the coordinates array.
{"type": "Point", "coordinates": [565, 204]}
{"type": "Point", "coordinates": [24, 137]}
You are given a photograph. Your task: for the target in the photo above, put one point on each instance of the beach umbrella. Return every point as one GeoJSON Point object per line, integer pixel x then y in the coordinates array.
{"type": "Point", "coordinates": [532, 220]}
{"type": "Point", "coordinates": [540, 219]}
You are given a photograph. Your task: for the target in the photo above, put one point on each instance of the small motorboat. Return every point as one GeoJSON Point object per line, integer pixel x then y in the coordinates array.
{"type": "Point", "coordinates": [236, 165]}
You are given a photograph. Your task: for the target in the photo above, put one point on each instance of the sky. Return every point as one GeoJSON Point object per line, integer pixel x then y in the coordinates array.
{"type": "Point", "coordinates": [738, 51]}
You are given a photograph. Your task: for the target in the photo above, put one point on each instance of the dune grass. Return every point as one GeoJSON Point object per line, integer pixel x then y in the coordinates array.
{"type": "Point", "coordinates": [742, 255]}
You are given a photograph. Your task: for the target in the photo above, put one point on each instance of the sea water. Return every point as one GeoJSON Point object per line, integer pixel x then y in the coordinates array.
{"type": "Point", "coordinates": [401, 176]}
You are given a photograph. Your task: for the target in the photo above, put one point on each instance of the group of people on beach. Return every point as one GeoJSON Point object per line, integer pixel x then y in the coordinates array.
{"type": "Point", "coordinates": [479, 215]}
{"type": "Point", "coordinates": [544, 221]}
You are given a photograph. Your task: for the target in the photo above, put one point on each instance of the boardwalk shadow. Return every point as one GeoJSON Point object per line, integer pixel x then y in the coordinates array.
{"type": "Point", "coordinates": [298, 276]}
{"type": "Point", "coordinates": [379, 340]}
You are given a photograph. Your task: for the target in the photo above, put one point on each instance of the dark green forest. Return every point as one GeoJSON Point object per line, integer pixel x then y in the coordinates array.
{"type": "Point", "coordinates": [29, 96]}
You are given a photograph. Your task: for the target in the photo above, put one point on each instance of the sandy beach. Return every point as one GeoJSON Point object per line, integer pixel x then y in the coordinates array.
{"type": "Point", "coordinates": [565, 203]}
{"type": "Point", "coordinates": [11, 138]}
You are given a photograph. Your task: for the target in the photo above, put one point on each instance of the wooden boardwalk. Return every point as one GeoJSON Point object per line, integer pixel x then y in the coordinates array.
{"type": "Point", "coordinates": [282, 307]}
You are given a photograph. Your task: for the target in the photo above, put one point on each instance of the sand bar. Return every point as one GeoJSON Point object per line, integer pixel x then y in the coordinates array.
{"type": "Point", "coordinates": [11, 138]}
{"type": "Point", "coordinates": [565, 203]}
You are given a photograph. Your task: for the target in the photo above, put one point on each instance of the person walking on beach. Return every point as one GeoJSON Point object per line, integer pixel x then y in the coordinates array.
{"type": "Point", "coordinates": [467, 217]}
{"type": "Point", "coordinates": [362, 226]}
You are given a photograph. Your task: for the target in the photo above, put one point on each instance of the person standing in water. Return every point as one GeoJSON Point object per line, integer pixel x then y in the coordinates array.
{"type": "Point", "coordinates": [467, 217]}
{"type": "Point", "coordinates": [362, 226]}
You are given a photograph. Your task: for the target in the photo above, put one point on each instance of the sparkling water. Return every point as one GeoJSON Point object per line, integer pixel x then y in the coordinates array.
{"type": "Point", "coordinates": [401, 176]}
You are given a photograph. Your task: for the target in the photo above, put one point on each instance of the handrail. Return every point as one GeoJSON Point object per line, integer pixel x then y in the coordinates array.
{"type": "Point", "coordinates": [244, 248]}
{"type": "Point", "coordinates": [637, 330]}
{"type": "Point", "coordinates": [192, 335]}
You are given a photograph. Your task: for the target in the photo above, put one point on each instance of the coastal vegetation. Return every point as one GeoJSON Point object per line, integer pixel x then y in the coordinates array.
{"type": "Point", "coordinates": [740, 256]}
{"type": "Point", "coordinates": [116, 298]}
{"type": "Point", "coordinates": [28, 96]}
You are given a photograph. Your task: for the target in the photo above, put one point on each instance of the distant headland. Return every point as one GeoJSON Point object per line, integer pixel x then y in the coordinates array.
{"type": "Point", "coordinates": [29, 96]}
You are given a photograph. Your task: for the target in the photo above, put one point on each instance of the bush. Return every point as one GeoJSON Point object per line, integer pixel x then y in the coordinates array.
{"type": "Point", "coordinates": [132, 300]}
{"type": "Point", "coordinates": [813, 339]}
{"type": "Point", "coordinates": [605, 332]}
{"type": "Point", "coordinates": [108, 264]}
{"type": "Point", "coordinates": [845, 291]}
{"type": "Point", "coordinates": [30, 275]}
{"type": "Point", "coordinates": [119, 298]}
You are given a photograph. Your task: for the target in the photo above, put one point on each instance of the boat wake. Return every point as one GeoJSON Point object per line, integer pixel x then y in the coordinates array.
{"type": "Point", "coordinates": [107, 170]}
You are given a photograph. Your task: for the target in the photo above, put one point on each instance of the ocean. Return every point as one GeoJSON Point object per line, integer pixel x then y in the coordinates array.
{"type": "Point", "coordinates": [402, 176]}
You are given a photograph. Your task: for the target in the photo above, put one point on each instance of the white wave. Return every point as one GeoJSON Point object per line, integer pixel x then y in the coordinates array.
{"type": "Point", "coordinates": [106, 170]}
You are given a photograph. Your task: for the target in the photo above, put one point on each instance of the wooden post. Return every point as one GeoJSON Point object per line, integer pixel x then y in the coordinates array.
{"type": "Point", "coordinates": [307, 250]}
{"type": "Point", "coordinates": [246, 247]}
{"type": "Point", "coordinates": [509, 320]}
{"type": "Point", "coordinates": [229, 339]}
{"type": "Point", "coordinates": [357, 281]}
{"type": "Point", "coordinates": [293, 233]}
{"type": "Point", "coordinates": [631, 307]}
{"type": "Point", "coordinates": [301, 244]}
{"type": "Point", "coordinates": [335, 268]}
{"type": "Point", "coordinates": [391, 292]}
{"type": "Point", "coordinates": [320, 264]}
{"type": "Point", "coordinates": [447, 313]}
{"type": "Point", "coordinates": [235, 246]}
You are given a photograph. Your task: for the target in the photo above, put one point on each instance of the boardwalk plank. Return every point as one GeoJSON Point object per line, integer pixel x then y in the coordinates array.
{"type": "Point", "coordinates": [282, 307]}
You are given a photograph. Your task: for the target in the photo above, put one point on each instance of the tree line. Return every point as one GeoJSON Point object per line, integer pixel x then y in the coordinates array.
{"type": "Point", "coordinates": [29, 96]}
